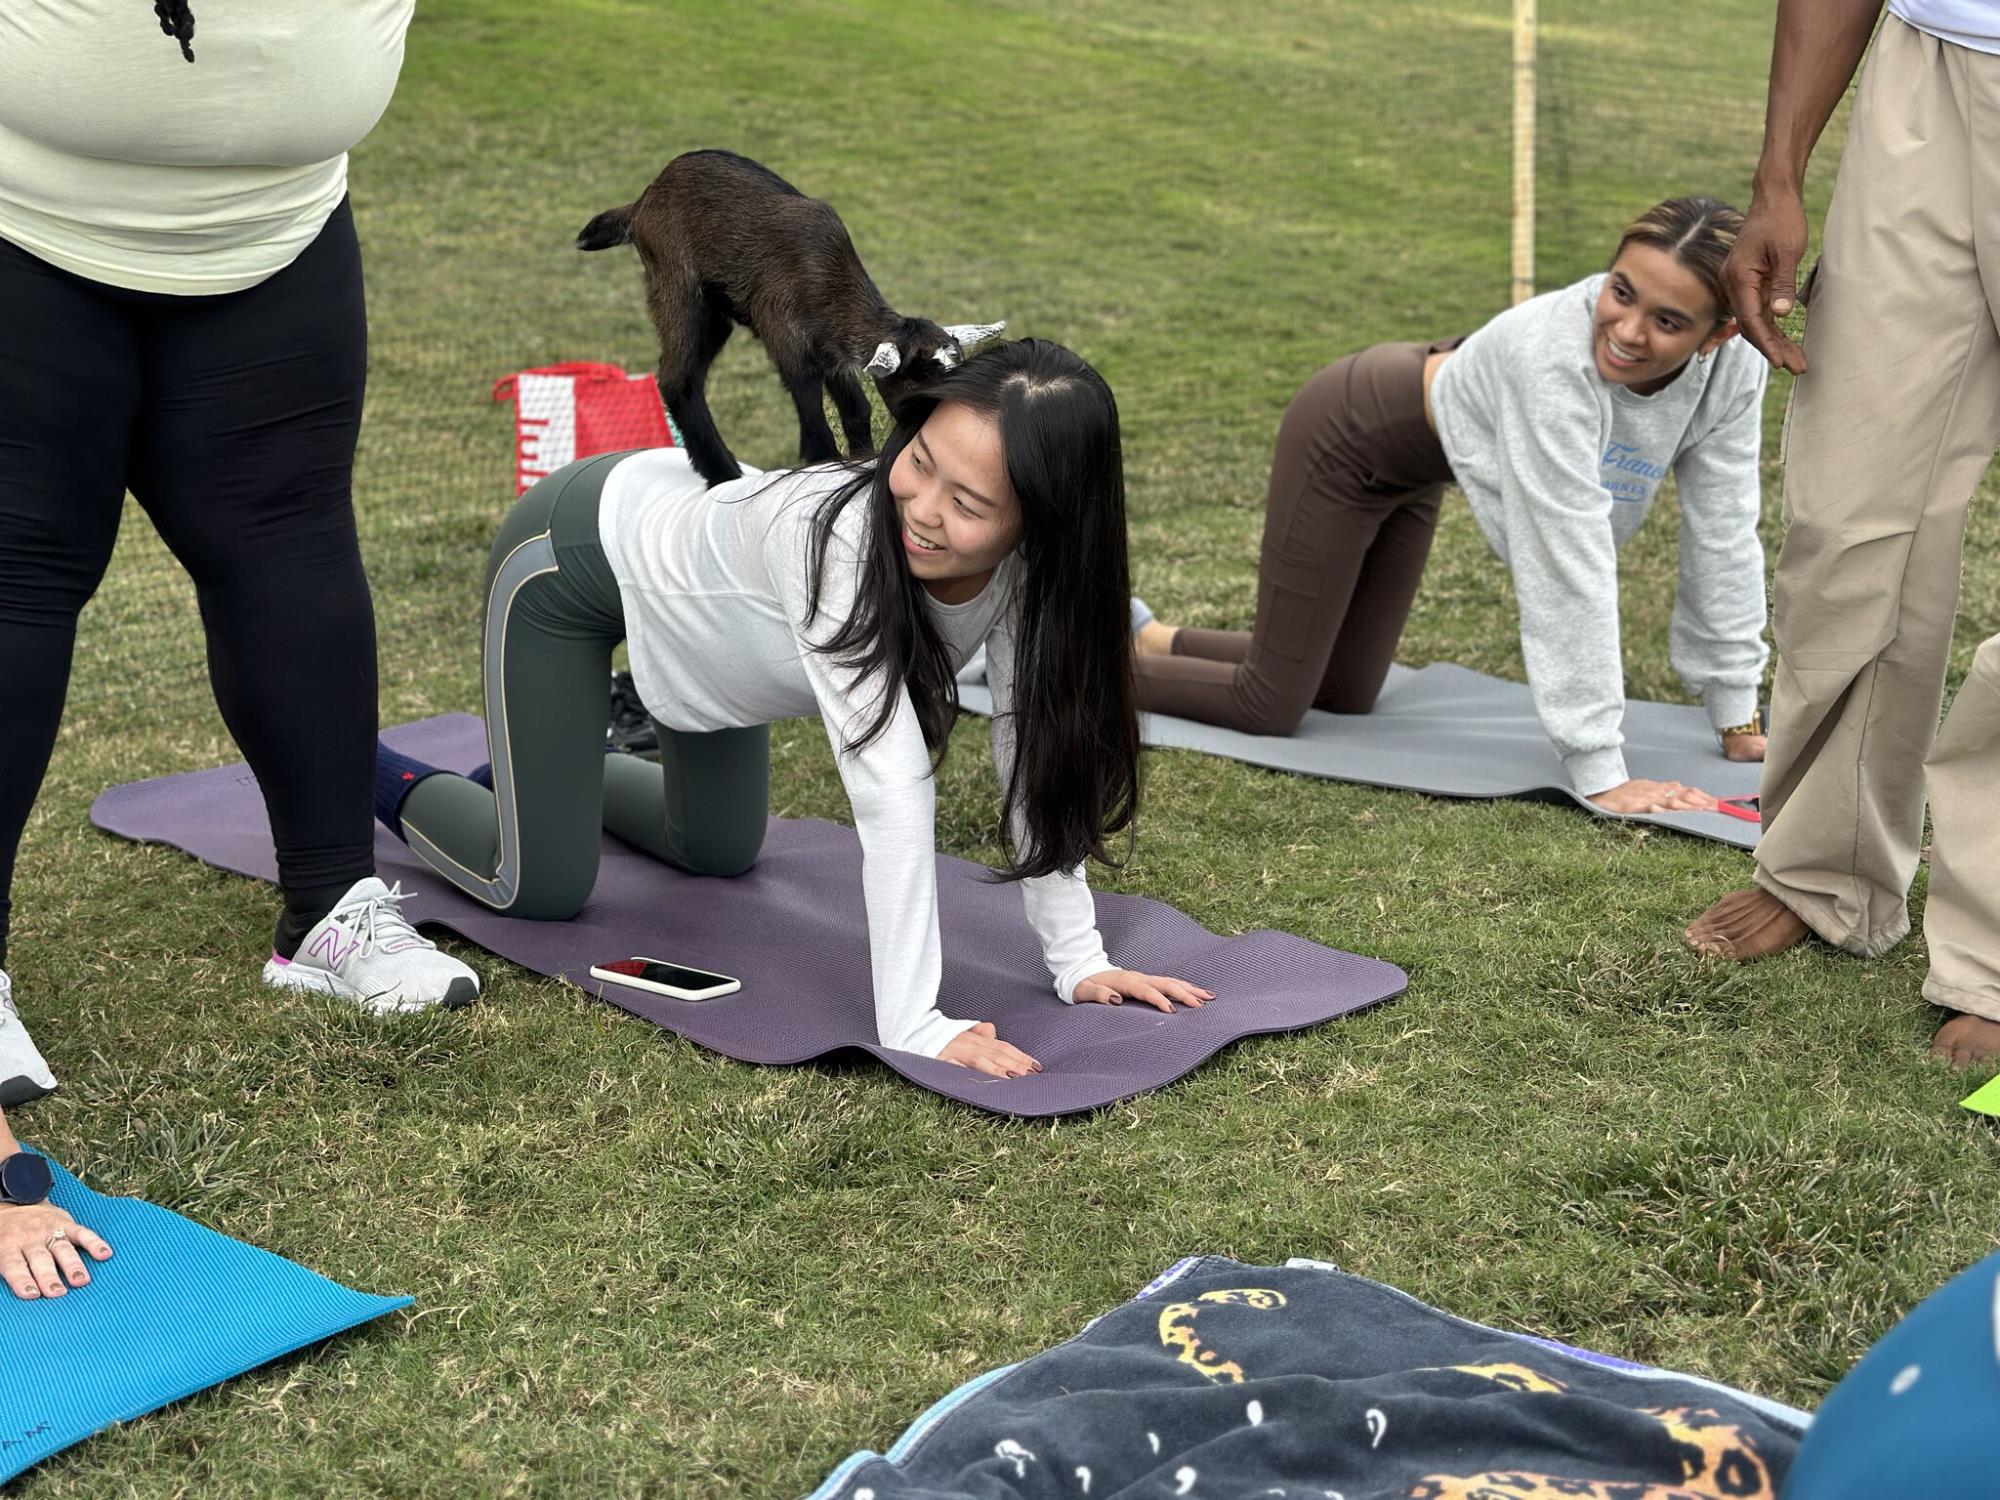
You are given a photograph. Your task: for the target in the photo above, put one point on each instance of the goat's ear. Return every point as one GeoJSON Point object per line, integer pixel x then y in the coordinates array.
{"type": "Point", "coordinates": [886, 360]}
{"type": "Point", "coordinates": [969, 334]}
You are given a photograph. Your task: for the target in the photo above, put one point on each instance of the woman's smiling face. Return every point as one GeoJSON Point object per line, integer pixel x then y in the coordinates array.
{"type": "Point", "coordinates": [959, 514]}
{"type": "Point", "coordinates": [1652, 317]}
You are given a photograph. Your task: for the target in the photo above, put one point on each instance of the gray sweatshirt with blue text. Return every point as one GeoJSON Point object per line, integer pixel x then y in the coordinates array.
{"type": "Point", "coordinates": [1561, 467]}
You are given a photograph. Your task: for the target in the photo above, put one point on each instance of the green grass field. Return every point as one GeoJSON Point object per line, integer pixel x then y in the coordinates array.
{"type": "Point", "coordinates": [643, 1269]}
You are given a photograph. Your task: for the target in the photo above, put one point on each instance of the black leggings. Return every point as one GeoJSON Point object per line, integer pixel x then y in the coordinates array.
{"type": "Point", "coordinates": [232, 420]}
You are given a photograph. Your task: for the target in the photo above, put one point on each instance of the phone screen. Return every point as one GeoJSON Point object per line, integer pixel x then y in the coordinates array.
{"type": "Point", "coordinates": [654, 972]}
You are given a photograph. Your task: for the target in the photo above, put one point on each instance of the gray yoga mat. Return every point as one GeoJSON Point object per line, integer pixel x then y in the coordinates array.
{"type": "Point", "coordinates": [1448, 731]}
{"type": "Point", "coordinates": [794, 931]}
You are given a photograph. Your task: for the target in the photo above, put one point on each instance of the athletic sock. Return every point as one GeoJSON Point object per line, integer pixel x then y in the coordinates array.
{"type": "Point", "coordinates": [395, 775]}
{"type": "Point", "coordinates": [304, 907]}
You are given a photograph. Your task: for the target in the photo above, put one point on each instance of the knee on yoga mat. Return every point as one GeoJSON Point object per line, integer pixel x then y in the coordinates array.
{"type": "Point", "coordinates": [548, 901]}
{"type": "Point", "coordinates": [720, 851]}
{"type": "Point", "coordinates": [1350, 703]}
{"type": "Point", "coordinates": [1261, 713]}
{"type": "Point", "coordinates": [1350, 698]}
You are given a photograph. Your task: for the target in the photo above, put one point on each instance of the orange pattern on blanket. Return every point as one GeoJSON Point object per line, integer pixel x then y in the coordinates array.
{"type": "Point", "coordinates": [1177, 1328]}
{"type": "Point", "coordinates": [1513, 1377]}
{"type": "Point", "coordinates": [1718, 1462]}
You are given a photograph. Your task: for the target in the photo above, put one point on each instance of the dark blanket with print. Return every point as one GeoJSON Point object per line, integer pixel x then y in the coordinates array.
{"type": "Point", "coordinates": [1226, 1380]}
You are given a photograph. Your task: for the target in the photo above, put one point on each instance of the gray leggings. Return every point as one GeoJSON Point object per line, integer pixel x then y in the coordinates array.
{"type": "Point", "coordinates": [529, 846]}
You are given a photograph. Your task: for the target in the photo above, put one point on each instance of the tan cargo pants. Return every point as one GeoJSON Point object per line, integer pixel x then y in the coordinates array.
{"type": "Point", "coordinates": [1889, 432]}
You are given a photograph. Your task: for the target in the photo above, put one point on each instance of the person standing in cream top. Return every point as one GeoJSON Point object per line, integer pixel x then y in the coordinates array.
{"type": "Point", "coordinates": [185, 321]}
{"type": "Point", "coordinates": [99, 112]}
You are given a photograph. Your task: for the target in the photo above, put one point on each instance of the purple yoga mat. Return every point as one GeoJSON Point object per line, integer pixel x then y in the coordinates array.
{"type": "Point", "coordinates": [794, 931]}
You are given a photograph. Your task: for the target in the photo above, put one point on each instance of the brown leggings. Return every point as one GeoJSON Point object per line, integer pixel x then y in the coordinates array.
{"type": "Point", "coordinates": [1356, 483]}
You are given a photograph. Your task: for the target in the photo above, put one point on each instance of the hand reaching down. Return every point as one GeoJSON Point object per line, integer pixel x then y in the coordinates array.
{"type": "Point", "coordinates": [1762, 271]}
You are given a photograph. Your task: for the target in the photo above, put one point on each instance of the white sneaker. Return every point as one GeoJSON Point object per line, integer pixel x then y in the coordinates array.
{"type": "Point", "coordinates": [23, 1073]}
{"type": "Point", "coordinates": [363, 950]}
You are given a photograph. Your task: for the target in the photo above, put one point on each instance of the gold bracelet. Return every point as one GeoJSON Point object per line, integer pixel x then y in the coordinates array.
{"type": "Point", "coordinates": [1755, 726]}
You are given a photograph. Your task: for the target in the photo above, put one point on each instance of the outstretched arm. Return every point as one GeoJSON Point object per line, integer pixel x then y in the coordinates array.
{"type": "Point", "coordinates": [1561, 547]}
{"type": "Point", "coordinates": [1717, 634]}
{"type": "Point", "coordinates": [1813, 56]}
{"type": "Point", "coordinates": [1059, 906]}
{"type": "Point", "coordinates": [890, 789]}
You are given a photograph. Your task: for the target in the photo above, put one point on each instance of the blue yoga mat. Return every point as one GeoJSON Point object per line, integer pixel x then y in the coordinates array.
{"type": "Point", "coordinates": [177, 1308]}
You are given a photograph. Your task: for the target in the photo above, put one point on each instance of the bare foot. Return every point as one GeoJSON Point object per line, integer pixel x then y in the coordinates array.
{"type": "Point", "coordinates": [1154, 639]}
{"type": "Point", "coordinates": [1744, 925]}
{"type": "Point", "coordinates": [1967, 1041]}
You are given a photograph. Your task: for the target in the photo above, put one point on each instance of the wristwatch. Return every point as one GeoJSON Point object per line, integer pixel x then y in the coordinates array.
{"type": "Point", "coordinates": [25, 1179]}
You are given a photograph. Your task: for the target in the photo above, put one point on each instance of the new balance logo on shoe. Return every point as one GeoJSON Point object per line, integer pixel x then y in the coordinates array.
{"type": "Point", "coordinates": [333, 945]}
{"type": "Point", "coordinates": [366, 951]}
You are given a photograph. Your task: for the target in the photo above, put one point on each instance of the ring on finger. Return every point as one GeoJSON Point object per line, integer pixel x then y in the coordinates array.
{"type": "Point", "coordinates": [59, 1235]}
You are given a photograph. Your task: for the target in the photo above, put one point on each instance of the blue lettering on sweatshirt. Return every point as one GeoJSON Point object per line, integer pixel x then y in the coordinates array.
{"type": "Point", "coordinates": [1627, 476]}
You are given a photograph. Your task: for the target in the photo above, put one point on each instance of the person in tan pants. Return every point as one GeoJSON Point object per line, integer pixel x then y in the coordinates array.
{"type": "Point", "coordinates": [1888, 434]}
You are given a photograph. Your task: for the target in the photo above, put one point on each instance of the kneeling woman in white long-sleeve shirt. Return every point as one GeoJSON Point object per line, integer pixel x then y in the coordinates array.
{"type": "Point", "coordinates": [994, 515]}
{"type": "Point", "coordinates": [1558, 419]}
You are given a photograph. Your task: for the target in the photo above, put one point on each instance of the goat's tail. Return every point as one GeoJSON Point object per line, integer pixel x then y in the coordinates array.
{"type": "Point", "coordinates": [612, 227]}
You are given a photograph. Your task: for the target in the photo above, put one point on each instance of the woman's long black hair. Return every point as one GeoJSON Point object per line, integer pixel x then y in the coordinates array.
{"type": "Point", "coordinates": [1076, 733]}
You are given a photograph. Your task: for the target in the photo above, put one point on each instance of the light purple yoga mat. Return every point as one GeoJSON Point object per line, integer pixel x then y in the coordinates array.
{"type": "Point", "coordinates": [794, 931]}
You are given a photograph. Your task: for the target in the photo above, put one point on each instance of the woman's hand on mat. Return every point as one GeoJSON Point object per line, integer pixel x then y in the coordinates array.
{"type": "Point", "coordinates": [981, 1049]}
{"type": "Point", "coordinates": [38, 1250]}
{"type": "Point", "coordinates": [1743, 746]}
{"type": "Point", "coordinates": [1116, 986]}
{"type": "Point", "coordinates": [1642, 796]}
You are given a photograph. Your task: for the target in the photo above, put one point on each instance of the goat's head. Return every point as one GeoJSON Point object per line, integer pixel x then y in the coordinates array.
{"type": "Point", "coordinates": [918, 352]}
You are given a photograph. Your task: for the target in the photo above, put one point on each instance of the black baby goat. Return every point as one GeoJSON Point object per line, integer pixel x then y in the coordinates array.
{"type": "Point", "coordinates": [726, 241]}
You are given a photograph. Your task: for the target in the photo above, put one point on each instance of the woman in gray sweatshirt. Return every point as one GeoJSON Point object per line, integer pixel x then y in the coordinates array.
{"type": "Point", "coordinates": [1558, 419]}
